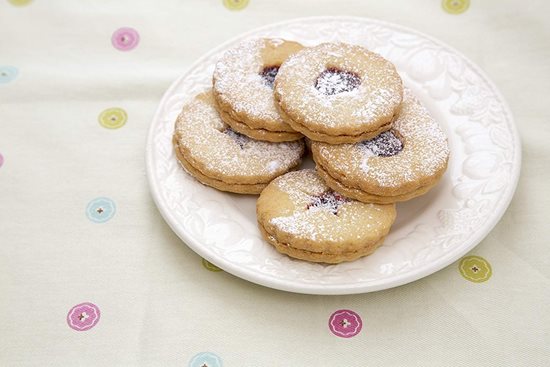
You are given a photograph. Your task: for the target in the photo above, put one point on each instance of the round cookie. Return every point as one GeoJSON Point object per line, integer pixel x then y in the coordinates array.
{"type": "Point", "coordinates": [243, 88]}
{"type": "Point", "coordinates": [338, 93]}
{"type": "Point", "coordinates": [398, 165]}
{"type": "Point", "coordinates": [219, 157]}
{"type": "Point", "coordinates": [302, 217]}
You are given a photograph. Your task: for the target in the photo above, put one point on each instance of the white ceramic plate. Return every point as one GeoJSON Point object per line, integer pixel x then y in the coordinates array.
{"type": "Point", "coordinates": [431, 231]}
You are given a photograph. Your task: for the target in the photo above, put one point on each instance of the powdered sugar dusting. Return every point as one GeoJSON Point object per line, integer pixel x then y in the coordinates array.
{"type": "Point", "coordinates": [329, 200]}
{"type": "Point", "coordinates": [314, 218]}
{"type": "Point", "coordinates": [424, 152]}
{"type": "Point", "coordinates": [273, 166]}
{"type": "Point", "coordinates": [365, 160]}
{"type": "Point", "coordinates": [381, 98]}
{"type": "Point", "coordinates": [334, 81]}
{"type": "Point", "coordinates": [335, 104]}
{"type": "Point", "coordinates": [238, 80]}
{"type": "Point", "coordinates": [240, 139]}
{"type": "Point", "coordinates": [223, 152]}
{"type": "Point", "coordinates": [269, 73]}
{"type": "Point", "coordinates": [277, 41]}
{"type": "Point", "coordinates": [384, 145]}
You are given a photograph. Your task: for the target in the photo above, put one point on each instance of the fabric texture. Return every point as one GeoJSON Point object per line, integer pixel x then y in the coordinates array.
{"type": "Point", "coordinates": [90, 274]}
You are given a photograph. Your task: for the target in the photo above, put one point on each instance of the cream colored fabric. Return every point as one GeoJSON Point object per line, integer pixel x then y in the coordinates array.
{"type": "Point", "coordinates": [159, 306]}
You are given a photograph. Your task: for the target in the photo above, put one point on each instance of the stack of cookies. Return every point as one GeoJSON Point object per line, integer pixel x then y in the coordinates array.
{"type": "Point", "coordinates": [372, 141]}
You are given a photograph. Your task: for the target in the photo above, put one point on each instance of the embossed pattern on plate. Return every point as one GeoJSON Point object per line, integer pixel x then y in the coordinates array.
{"type": "Point", "coordinates": [431, 231]}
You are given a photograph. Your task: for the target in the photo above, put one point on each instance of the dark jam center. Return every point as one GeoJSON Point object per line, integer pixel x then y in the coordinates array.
{"type": "Point", "coordinates": [268, 74]}
{"type": "Point", "coordinates": [240, 139]}
{"type": "Point", "coordinates": [384, 145]}
{"type": "Point", "coordinates": [334, 81]}
{"type": "Point", "coordinates": [328, 200]}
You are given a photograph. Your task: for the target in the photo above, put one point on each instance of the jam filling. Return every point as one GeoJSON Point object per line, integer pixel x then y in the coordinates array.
{"type": "Point", "coordinates": [238, 138]}
{"type": "Point", "coordinates": [334, 81]}
{"type": "Point", "coordinates": [328, 200]}
{"type": "Point", "coordinates": [384, 145]}
{"type": "Point", "coordinates": [268, 74]}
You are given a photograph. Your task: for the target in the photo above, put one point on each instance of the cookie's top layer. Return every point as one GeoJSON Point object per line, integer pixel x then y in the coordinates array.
{"type": "Point", "coordinates": [407, 157]}
{"type": "Point", "coordinates": [338, 89]}
{"type": "Point", "coordinates": [299, 209]}
{"type": "Point", "coordinates": [212, 147]}
{"type": "Point", "coordinates": [243, 81]}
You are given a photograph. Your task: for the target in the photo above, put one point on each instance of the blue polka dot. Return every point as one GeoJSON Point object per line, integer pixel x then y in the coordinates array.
{"type": "Point", "coordinates": [7, 74]}
{"type": "Point", "coordinates": [100, 210]}
{"type": "Point", "coordinates": [205, 359]}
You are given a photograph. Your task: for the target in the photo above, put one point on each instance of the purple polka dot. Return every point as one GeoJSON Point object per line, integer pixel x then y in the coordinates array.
{"type": "Point", "coordinates": [1, 160]}
{"type": "Point", "coordinates": [345, 323]}
{"type": "Point", "coordinates": [83, 316]}
{"type": "Point", "coordinates": [125, 39]}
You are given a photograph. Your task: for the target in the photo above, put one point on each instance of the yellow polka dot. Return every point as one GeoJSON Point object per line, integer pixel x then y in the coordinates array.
{"type": "Point", "coordinates": [455, 6]}
{"type": "Point", "coordinates": [235, 4]}
{"type": "Point", "coordinates": [209, 266]}
{"type": "Point", "coordinates": [113, 118]}
{"type": "Point", "coordinates": [20, 2]}
{"type": "Point", "coordinates": [475, 268]}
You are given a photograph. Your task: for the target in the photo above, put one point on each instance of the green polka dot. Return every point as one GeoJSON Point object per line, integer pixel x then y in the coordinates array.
{"type": "Point", "coordinates": [235, 4]}
{"type": "Point", "coordinates": [455, 6]}
{"type": "Point", "coordinates": [19, 2]}
{"type": "Point", "coordinates": [475, 269]}
{"type": "Point", "coordinates": [209, 266]}
{"type": "Point", "coordinates": [113, 118]}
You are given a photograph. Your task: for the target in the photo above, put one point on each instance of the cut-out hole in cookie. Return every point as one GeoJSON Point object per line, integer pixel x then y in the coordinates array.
{"type": "Point", "coordinates": [268, 74]}
{"type": "Point", "coordinates": [238, 138]}
{"type": "Point", "coordinates": [334, 81]}
{"type": "Point", "coordinates": [328, 200]}
{"type": "Point", "coordinates": [386, 144]}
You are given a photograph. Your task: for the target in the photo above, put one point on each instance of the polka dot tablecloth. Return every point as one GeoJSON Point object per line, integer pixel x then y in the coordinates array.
{"type": "Point", "coordinates": [90, 274]}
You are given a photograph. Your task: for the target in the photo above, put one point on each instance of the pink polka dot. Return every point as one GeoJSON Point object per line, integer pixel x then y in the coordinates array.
{"type": "Point", "coordinates": [1, 160]}
{"type": "Point", "coordinates": [345, 323]}
{"type": "Point", "coordinates": [83, 316]}
{"type": "Point", "coordinates": [125, 39]}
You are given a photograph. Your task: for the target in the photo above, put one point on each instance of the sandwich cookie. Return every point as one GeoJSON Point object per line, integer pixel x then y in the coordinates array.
{"type": "Point", "coordinates": [303, 218]}
{"type": "Point", "coordinates": [219, 157]}
{"type": "Point", "coordinates": [338, 93]}
{"type": "Point", "coordinates": [398, 165]}
{"type": "Point", "coordinates": [243, 88]}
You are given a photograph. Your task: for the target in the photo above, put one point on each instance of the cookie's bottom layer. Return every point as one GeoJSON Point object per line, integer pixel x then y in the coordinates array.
{"type": "Point", "coordinates": [212, 182]}
{"type": "Point", "coordinates": [319, 257]}
{"type": "Point", "coordinates": [258, 134]}
{"type": "Point", "coordinates": [333, 139]}
{"type": "Point", "coordinates": [366, 197]}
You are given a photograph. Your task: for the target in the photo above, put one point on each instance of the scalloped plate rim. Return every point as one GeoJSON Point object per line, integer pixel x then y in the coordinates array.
{"type": "Point", "coordinates": [337, 289]}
